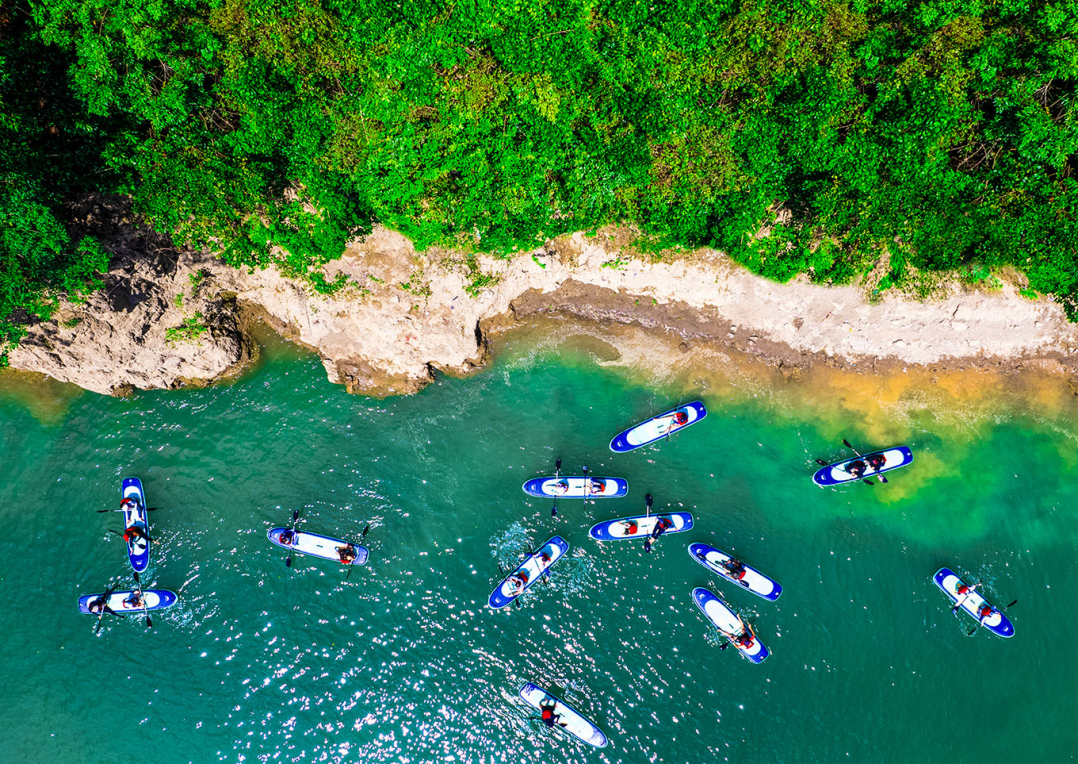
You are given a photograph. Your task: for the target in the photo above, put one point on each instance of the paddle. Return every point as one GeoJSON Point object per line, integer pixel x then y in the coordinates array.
{"type": "Point", "coordinates": [881, 477]}
{"type": "Point", "coordinates": [142, 597]}
{"type": "Point", "coordinates": [361, 537]}
{"type": "Point", "coordinates": [292, 536]}
{"type": "Point", "coordinates": [101, 511]}
{"type": "Point", "coordinates": [557, 474]}
{"type": "Point", "coordinates": [980, 621]}
{"type": "Point", "coordinates": [104, 600]}
{"type": "Point", "coordinates": [647, 513]}
{"type": "Point", "coordinates": [587, 487]}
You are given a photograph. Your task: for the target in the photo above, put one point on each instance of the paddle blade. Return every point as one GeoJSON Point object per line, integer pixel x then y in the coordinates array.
{"type": "Point", "coordinates": [557, 465]}
{"type": "Point", "coordinates": [821, 462]}
{"type": "Point", "coordinates": [295, 515]}
{"type": "Point", "coordinates": [868, 482]}
{"type": "Point", "coordinates": [648, 500]}
{"type": "Point", "coordinates": [137, 579]}
{"type": "Point", "coordinates": [724, 645]}
{"type": "Point", "coordinates": [585, 470]}
{"type": "Point", "coordinates": [288, 561]}
{"type": "Point", "coordinates": [1012, 604]}
{"type": "Point", "coordinates": [554, 511]}
{"type": "Point", "coordinates": [846, 443]}
{"type": "Point", "coordinates": [647, 545]}
{"type": "Point", "coordinates": [149, 622]}
{"type": "Point", "coordinates": [365, 532]}
{"type": "Point", "coordinates": [883, 479]}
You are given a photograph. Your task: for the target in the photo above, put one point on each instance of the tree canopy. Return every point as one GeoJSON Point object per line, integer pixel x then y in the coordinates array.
{"type": "Point", "coordinates": [937, 135]}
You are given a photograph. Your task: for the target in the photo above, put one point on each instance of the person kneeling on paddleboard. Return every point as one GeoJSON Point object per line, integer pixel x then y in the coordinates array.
{"type": "Point", "coordinates": [735, 568]}
{"type": "Point", "coordinates": [985, 611]}
{"type": "Point", "coordinates": [134, 601]}
{"type": "Point", "coordinates": [630, 527]}
{"type": "Point", "coordinates": [517, 582]}
{"type": "Point", "coordinates": [597, 486]}
{"type": "Point", "coordinates": [561, 487]}
{"type": "Point", "coordinates": [133, 534]}
{"type": "Point", "coordinates": [856, 468]}
{"type": "Point", "coordinates": [679, 418]}
{"type": "Point", "coordinates": [549, 717]}
{"type": "Point", "coordinates": [877, 461]}
{"type": "Point", "coordinates": [347, 554]}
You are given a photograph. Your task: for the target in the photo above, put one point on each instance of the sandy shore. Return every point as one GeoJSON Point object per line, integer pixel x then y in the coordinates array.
{"type": "Point", "coordinates": [407, 314]}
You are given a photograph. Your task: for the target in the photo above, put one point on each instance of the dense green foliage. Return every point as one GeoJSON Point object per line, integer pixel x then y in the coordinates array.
{"type": "Point", "coordinates": [938, 134]}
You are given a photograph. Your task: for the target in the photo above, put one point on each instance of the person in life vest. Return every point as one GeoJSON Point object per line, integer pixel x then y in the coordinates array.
{"type": "Point", "coordinates": [661, 527]}
{"type": "Point", "coordinates": [856, 468]}
{"type": "Point", "coordinates": [561, 487]}
{"type": "Point", "coordinates": [135, 600]}
{"type": "Point", "coordinates": [288, 538]}
{"type": "Point", "coordinates": [100, 606]}
{"type": "Point", "coordinates": [984, 611]}
{"type": "Point", "coordinates": [597, 486]}
{"type": "Point", "coordinates": [735, 568]}
{"type": "Point", "coordinates": [128, 504]}
{"type": "Point", "coordinates": [347, 554]}
{"type": "Point", "coordinates": [133, 534]}
{"type": "Point", "coordinates": [679, 418]}
{"type": "Point", "coordinates": [517, 582]}
{"type": "Point", "coordinates": [546, 708]}
{"type": "Point", "coordinates": [746, 639]}
{"type": "Point", "coordinates": [544, 556]}
{"type": "Point", "coordinates": [630, 527]}
{"type": "Point", "coordinates": [877, 461]}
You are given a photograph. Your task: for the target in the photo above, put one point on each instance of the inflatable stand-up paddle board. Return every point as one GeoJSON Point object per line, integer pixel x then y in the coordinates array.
{"type": "Point", "coordinates": [729, 623]}
{"type": "Point", "coordinates": [565, 716]}
{"type": "Point", "coordinates": [156, 599]}
{"type": "Point", "coordinates": [639, 526]}
{"type": "Point", "coordinates": [836, 474]}
{"type": "Point", "coordinates": [971, 602]}
{"type": "Point", "coordinates": [656, 428]}
{"type": "Point", "coordinates": [565, 487]}
{"type": "Point", "coordinates": [756, 582]}
{"type": "Point", "coordinates": [316, 545]}
{"type": "Point", "coordinates": [532, 569]}
{"type": "Point", "coordinates": [136, 516]}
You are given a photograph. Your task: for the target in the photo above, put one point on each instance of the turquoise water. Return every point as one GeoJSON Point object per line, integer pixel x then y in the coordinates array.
{"type": "Point", "coordinates": [403, 662]}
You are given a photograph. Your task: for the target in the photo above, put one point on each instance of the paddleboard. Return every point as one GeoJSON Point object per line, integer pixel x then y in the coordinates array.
{"type": "Point", "coordinates": [836, 474]}
{"type": "Point", "coordinates": [532, 568]}
{"type": "Point", "coordinates": [579, 487]}
{"type": "Point", "coordinates": [639, 526]}
{"type": "Point", "coordinates": [156, 599]}
{"type": "Point", "coordinates": [566, 717]}
{"type": "Point", "coordinates": [997, 622]}
{"type": "Point", "coordinates": [753, 580]}
{"type": "Point", "coordinates": [729, 623]}
{"type": "Point", "coordinates": [138, 550]}
{"type": "Point", "coordinates": [656, 428]}
{"type": "Point", "coordinates": [316, 545]}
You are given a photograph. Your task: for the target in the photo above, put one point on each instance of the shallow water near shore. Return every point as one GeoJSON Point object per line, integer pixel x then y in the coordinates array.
{"type": "Point", "coordinates": [403, 661]}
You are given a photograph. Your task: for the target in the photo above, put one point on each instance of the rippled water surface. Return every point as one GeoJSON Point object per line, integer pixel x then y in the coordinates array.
{"type": "Point", "coordinates": [404, 662]}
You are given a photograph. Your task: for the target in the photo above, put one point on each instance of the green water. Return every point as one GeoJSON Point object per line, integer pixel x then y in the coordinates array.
{"type": "Point", "coordinates": [403, 662]}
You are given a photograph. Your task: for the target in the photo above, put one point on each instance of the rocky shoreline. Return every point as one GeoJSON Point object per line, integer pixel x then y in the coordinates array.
{"type": "Point", "coordinates": [169, 318]}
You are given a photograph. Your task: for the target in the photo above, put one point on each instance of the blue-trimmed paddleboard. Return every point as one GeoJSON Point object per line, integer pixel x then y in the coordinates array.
{"type": "Point", "coordinates": [996, 622]}
{"type": "Point", "coordinates": [580, 487]}
{"type": "Point", "coordinates": [639, 526]}
{"type": "Point", "coordinates": [566, 717]}
{"type": "Point", "coordinates": [137, 516]}
{"type": "Point", "coordinates": [656, 428]}
{"type": "Point", "coordinates": [317, 545]}
{"type": "Point", "coordinates": [729, 623]}
{"type": "Point", "coordinates": [156, 599]}
{"type": "Point", "coordinates": [533, 569]}
{"type": "Point", "coordinates": [836, 474]}
{"type": "Point", "coordinates": [756, 582]}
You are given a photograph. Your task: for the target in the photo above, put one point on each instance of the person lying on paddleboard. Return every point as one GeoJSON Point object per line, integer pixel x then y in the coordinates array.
{"type": "Point", "coordinates": [347, 554]}
{"type": "Point", "coordinates": [561, 487]}
{"type": "Point", "coordinates": [661, 527]}
{"type": "Point", "coordinates": [549, 717]}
